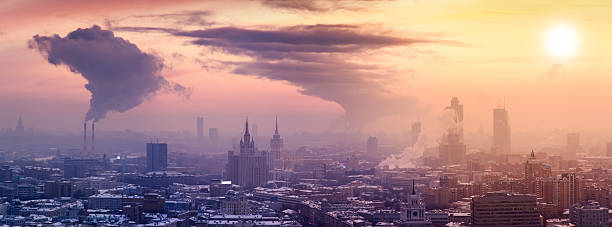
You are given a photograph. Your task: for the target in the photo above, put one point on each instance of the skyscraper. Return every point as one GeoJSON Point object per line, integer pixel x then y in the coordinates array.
{"type": "Point", "coordinates": [372, 145]}
{"type": "Point", "coordinates": [276, 148]}
{"type": "Point", "coordinates": [200, 126]}
{"type": "Point", "coordinates": [157, 156]}
{"type": "Point", "coordinates": [249, 168]}
{"type": "Point", "coordinates": [501, 132]}
{"type": "Point", "coordinates": [458, 118]}
{"type": "Point", "coordinates": [534, 171]}
{"type": "Point", "coordinates": [19, 128]}
{"type": "Point", "coordinates": [452, 151]}
{"type": "Point", "coordinates": [213, 134]}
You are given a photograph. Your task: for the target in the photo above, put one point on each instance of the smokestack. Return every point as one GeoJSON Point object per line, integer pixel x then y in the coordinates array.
{"type": "Point", "coordinates": [93, 138]}
{"type": "Point", "coordinates": [85, 136]}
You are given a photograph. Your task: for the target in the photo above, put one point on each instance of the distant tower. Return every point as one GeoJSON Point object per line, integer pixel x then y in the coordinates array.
{"type": "Point", "coordinates": [609, 149]}
{"type": "Point", "coordinates": [501, 132]}
{"type": "Point", "coordinates": [213, 134]}
{"type": "Point", "coordinates": [372, 145]}
{"type": "Point", "coordinates": [19, 127]}
{"type": "Point", "coordinates": [458, 109]}
{"type": "Point", "coordinates": [157, 156]}
{"type": "Point", "coordinates": [200, 127]}
{"type": "Point", "coordinates": [276, 148]}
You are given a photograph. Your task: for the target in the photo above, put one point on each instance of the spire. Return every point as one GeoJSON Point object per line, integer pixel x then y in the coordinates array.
{"type": "Point", "coordinates": [246, 127]}
{"type": "Point", "coordinates": [413, 192]}
{"type": "Point", "coordinates": [532, 154]}
{"type": "Point", "coordinates": [276, 129]}
{"type": "Point", "coordinates": [19, 124]}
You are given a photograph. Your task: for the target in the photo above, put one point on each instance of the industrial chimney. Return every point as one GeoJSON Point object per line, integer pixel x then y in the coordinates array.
{"type": "Point", "coordinates": [93, 138]}
{"type": "Point", "coordinates": [85, 136]}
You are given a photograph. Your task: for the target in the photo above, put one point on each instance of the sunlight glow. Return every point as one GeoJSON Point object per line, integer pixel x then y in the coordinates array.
{"type": "Point", "coordinates": [561, 41]}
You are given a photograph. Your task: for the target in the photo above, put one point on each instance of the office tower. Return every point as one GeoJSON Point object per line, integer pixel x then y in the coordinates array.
{"type": "Point", "coordinates": [589, 214]}
{"type": "Point", "coordinates": [501, 132]}
{"type": "Point", "coordinates": [412, 214]}
{"type": "Point", "coordinates": [249, 168]}
{"type": "Point", "coordinates": [276, 148]}
{"type": "Point", "coordinates": [573, 144]}
{"type": "Point", "coordinates": [213, 134]}
{"type": "Point", "coordinates": [458, 118]}
{"type": "Point", "coordinates": [534, 171]}
{"type": "Point", "coordinates": [609, 149]}
{"type": "Point", "coordinates": [502, 209]}
{"type": "Point", "coordinates": [372, 145]}
{"type": "Point", "coordinates": [200, 127]}
{"type": "Point", "coordinates": [157, 156]}
{"type": "Point", "coordinates": [452, 151]}
{"type": "Point", "coordinates": [19, 128]}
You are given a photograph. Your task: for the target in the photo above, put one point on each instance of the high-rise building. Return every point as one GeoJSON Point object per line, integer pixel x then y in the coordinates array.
{"type": "Point", "coordinates": [157, 156]}
{"type": "Point", "coordinates": [452, 151]}
{"type": "Point", "coordinates": [372, 145]}
{"type": "Point", "coordinates": [213, 134]}
{"type": "Point", "coordinates": [573, 144]}
{"type": "Point", "coordinates": [249, 168]}
{"type": "Point", "coordinates": [502, 209]}
{"type": "Point", "coordinates": [589, 214]}
{"type": "Point", "coordinates": [609, 149]}
{"type": "Point", "coordinates": [276, 148]}
{"type": "Point", "coordinates": [200, 127]}
{"type": "Point", "coordinates": [501, 132]}
{"type": "Point", "coordinates": [458, 118]}
{"type": "Point", "coordinates": [412, 214]}
{"type": "Point", "coordinates": [534, 171]}
{"type": "Point", "coordinates": [19, 128]}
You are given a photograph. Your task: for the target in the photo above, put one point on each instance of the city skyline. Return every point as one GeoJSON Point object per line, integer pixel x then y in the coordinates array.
{"type": "Point", "coordinates": [430, 59]}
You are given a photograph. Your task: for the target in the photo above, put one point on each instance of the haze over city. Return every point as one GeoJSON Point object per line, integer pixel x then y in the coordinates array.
{"type": "Point", "coordinates": [434, 106]}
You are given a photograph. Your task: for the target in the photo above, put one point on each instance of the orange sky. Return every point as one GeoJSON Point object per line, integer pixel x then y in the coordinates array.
{"type": "Point", "coordinates": [495, 52]}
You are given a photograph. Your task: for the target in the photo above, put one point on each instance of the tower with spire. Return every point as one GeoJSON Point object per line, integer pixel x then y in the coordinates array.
{"type": "Point", "coordinates": [247, 144]}
{"type": "Point", "coordinates": [413, 212]}
{"type": "Point", "coordinates": [249, 168]}
{"type": "Point", "coordinates": [19, 128]}
{"type": "Point", "coordinates": [276, 148]}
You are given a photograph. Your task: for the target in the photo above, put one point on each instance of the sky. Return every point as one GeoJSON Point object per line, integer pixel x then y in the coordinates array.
{"type": "Point", "coordinates": [320, 65]}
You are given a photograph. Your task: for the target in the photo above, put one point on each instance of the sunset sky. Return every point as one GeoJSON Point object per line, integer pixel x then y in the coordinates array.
{"type": "Point", "coordinates": [318, 65]}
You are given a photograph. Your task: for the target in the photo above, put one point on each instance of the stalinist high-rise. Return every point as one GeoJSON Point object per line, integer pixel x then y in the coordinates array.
{"type": "Point", "coordinates": [276, 148]}
{"type": "Point", "coordinates": [249, 168]}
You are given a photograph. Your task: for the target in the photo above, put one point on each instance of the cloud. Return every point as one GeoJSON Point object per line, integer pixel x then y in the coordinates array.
{"type": "Point", "coordinates": [119, 75]}
{"type": "Point", "coordinates": [188, 17]}
{"type": "Point", "coordinates": [318, 6]}
{"type": "Point", "coordinates": [325, 61]}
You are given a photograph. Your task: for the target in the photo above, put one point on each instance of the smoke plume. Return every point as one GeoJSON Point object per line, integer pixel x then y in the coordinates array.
{"type": "Point", "coordinates": [119, 75]}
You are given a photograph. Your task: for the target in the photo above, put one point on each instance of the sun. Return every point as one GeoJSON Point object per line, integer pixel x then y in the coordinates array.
{"type": "Point", "coordinates": [561, 41]}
